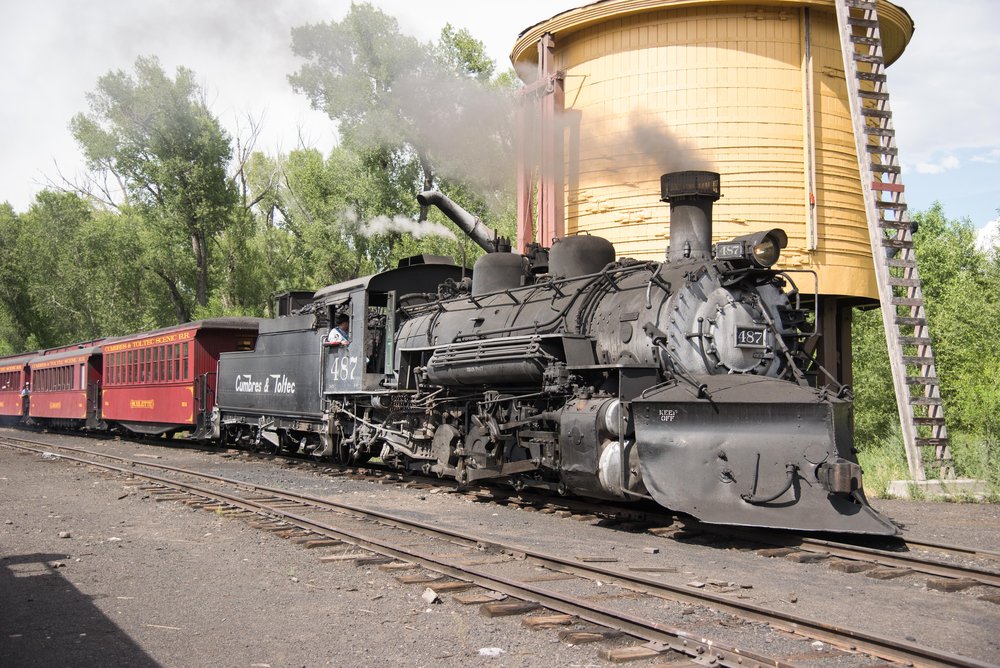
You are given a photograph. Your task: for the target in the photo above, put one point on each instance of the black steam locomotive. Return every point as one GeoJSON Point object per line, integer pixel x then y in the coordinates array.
{"type": "Point", "coordinates": [566, 369]}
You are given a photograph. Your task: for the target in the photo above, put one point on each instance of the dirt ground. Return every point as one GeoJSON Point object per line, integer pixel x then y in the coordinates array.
{"type": "Point", "coordinates": [139, 583]}
{"type": "Point", "coordinates": [93, 573]}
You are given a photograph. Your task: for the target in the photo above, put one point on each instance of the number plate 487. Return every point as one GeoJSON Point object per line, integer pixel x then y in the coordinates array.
{"type": "Point", "coordinates": [344, 368]}
{"type": "Point", "coordinates": [750, 337]}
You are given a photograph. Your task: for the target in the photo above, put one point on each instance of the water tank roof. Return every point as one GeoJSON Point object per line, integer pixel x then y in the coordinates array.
{"type": "Point", "coordinates": [895, 24]}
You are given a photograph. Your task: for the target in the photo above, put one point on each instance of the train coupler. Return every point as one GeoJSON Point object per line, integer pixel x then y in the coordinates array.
{"type": "Point", "coordinates": [839, 477]}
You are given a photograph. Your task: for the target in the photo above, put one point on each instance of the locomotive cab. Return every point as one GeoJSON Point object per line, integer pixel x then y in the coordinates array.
{"type": "Point", "coordinates": [345, 362]}
{"type": "Point", "coordinates": [372, 303]}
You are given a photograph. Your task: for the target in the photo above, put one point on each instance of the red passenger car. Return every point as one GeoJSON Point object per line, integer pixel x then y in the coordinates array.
{"type": "Point", "coordinates": [14, 375]}
{"type": "Point", "coordinates": [65, 387]}
{"type": "Point", "coordinates": [163, 382]}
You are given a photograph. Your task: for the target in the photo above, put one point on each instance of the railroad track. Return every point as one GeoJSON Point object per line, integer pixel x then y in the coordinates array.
{"type": "Point", "coordinates": [901, 560]}
{"type": "Point", "coordinates": [949, 577]}
{"type": "Point", "coordinates": [483, 563]}
{"type": "Point", "coordinates": [904, 555]}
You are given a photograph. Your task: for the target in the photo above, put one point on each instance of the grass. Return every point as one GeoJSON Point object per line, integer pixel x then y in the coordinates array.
{"type": "Point", "coordinates": [978, 456]}
{"type": "Point", "coordinates": [975, 456]}
{"type": "Point", "coordinates": [882, 462]}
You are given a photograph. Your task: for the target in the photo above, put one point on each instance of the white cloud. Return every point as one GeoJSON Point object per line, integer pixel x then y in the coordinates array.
{"type": "Point", "coordinates": [239, 50]}
{"type": "Point", "coordinates": [990, 157]}
{"type": "Point", "coordinates": [945, 164]}
{"type": "Point", "coordinates": [944, 92]}
{"type": "Point", "coordinates": [988, 237]}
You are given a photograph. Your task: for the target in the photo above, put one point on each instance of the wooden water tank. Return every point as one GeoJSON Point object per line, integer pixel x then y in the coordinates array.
{"type": "Point", "coordinates": [755, 91]}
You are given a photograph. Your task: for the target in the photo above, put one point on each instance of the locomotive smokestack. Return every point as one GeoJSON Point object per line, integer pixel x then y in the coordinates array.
{"type": "Point", "coordinates": [484, 236]}
{"type": "Point", "coordinates": [691, 195]}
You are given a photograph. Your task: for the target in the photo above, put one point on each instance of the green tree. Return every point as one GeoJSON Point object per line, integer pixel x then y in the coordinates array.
{"type": "Point", "coordinates": [166, 155]}
{"type": "Point", "coordinates": [248, 271]}
{"type": "Point", "coordinates": [960, 284]}
{"type": "Point", "coordinates": [15, 311]}
{"type": "Point", "coordinates": [960, 288]}
{"type": "Point", "coordinates": [323, 230]}
{"type": "Point", "coordinates": [56, 292]}
{"type": "Point", "coordinates": [87, 286]}
{"type": "Point", "coordinates": [460, 52]}
{"type": "Point", "coordinates": [410, 109]}
{"type": "Point", "coordinates": [328, 202]}
{"type": "Point", "coordinates": [875, 416]}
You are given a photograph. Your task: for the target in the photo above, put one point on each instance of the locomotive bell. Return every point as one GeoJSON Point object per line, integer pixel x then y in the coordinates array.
{"type": "Point", "coordinates": [690, 195]}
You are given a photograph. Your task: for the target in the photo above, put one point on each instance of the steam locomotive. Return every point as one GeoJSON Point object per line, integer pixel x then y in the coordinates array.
{"type": "Point", "coordinates": [684, 381]}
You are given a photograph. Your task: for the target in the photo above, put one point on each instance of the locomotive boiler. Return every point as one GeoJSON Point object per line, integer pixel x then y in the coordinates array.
{"type": "Point", "coordinates": [683, 381]}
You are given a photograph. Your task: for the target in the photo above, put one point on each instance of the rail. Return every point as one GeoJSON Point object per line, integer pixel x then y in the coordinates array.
{"type": "Point", "coordinates": [275, 505]}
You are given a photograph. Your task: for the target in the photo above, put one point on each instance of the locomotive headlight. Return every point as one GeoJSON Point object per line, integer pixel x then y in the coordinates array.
{"type": "Point", "coordinates": [766, 252]}
{"type": "Point", "coordinates": [759, 250]}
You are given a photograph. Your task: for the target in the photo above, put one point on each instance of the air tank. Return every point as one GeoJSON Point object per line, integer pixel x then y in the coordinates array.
{"type": "Point", "coordinates": [753, 90]}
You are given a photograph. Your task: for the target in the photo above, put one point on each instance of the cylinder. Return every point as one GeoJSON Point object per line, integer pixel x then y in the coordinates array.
{"type": "Point", "coordinates": [753, 90]}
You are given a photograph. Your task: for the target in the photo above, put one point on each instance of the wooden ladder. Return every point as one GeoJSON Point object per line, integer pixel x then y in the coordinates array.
{"type": "Point", "coordinates": [918, 393]}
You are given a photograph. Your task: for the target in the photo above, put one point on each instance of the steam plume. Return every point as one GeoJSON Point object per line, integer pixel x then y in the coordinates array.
{"type": "Point", "coordinates": [396, 224]}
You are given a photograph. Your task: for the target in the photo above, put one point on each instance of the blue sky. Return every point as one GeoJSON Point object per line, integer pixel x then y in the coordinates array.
{"type": "Point", "coordinates": [946, 101]}
{"type": "Point", "coordinates": [945, 88]}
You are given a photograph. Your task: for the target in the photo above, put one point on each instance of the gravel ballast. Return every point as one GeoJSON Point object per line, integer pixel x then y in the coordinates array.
{"type": "Point", "coordinates": [142, 583]}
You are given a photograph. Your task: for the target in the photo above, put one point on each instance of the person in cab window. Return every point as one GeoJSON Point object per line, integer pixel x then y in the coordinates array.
{"type": "Point", "coordinates": [341, 334]}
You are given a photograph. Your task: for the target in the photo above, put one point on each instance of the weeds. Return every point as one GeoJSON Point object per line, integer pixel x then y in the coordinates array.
{"type": "Point", "coordinates": [883, 461]}
{"type": "Point", "coordinates": [975, 456]}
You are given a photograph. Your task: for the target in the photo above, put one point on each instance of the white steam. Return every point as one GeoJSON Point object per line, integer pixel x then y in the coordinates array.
{"type": "Point", "coordinates": [396, 224]}
{"type": "Point", "coordinates": [463, 126]}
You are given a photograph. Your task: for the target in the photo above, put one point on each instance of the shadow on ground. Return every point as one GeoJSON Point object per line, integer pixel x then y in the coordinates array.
{"type": "Point", "coordinates": [46, 621]}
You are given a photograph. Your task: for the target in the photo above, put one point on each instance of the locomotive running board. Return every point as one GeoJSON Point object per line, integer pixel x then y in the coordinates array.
{"type": "Point", "coordinates": [753, 451]}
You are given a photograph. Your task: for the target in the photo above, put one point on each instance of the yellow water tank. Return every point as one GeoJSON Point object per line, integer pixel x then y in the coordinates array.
{"type": "Point", "coordinates": [755, 91]}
